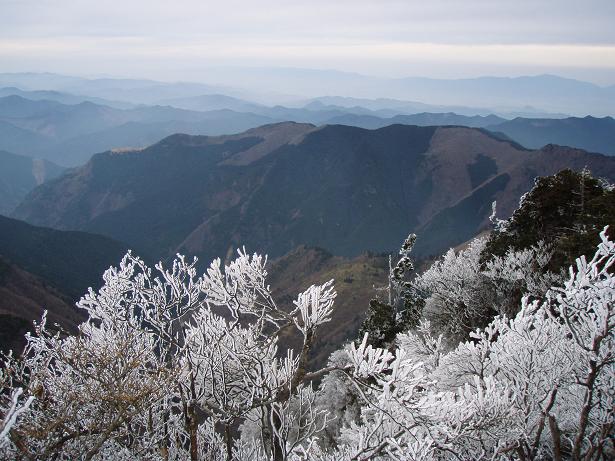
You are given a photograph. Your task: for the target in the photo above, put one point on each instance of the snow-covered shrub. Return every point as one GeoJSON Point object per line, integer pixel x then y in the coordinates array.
{"type": "Point", "coordinates": [463, 293]}
{"type": "Point", "coordinates": [165, 367]}
{"type": "Point", "coordinates": [537, 386]}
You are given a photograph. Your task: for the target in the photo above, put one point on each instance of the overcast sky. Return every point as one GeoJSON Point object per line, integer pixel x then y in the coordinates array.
{"type": "Point", "coordinates": [178, 39]}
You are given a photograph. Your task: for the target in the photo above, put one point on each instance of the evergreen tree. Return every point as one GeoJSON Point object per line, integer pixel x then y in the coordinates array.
{"type": "Point", "coordinates": [567, 210]}
{"type": "Point", "coordinates": [380, 324]}
{"type": "Point", "coordinates": [403, 309]}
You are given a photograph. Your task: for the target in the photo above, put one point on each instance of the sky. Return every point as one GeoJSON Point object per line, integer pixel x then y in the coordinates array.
{"type": "Point", "coordinates": [184, 39]}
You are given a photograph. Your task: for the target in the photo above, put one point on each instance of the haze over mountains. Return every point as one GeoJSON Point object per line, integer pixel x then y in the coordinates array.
{"type": "Point", "coordinates": [543, 93]}
{"type": "Point", "coordinates": [592, 134]}
{"type": "Point", "coordinates": [67, 128]}
{"type": "Point", "coordinates": [19, 175]}
{"type": "Point", "coordinates": [549, 93]}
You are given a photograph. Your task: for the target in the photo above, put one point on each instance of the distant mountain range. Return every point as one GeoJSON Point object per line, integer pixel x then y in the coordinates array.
{"type": "Point", "coordinates": [518, 96]}
{"type": "Point", "coordinates": [135, 91]}
{"type": "Point", "coordinates": [207, 102]}
{"type": "Point", "coordinates": [422, 119]}
{"type": "Point", "coordinates": [589, 133]}
{"type": "Point", "coordinates": [549, 93]}
{"type": "Point", "coordinates": [61, 97]}
{"type": "Point", "coordinates": [342, 188]}
{"type": "Point", "coordinates": [69, 134]}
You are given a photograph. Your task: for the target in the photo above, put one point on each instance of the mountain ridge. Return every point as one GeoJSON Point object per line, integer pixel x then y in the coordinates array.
{"type": "Point", "coordinates": [594, 134]}
{"type": "Point", "coordinates": [342, 188]}
{"type": "Point", "coordinates": [68, 134]}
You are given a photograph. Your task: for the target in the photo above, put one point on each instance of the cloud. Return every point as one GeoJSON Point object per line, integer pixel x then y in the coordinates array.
{"type": "Point", "coordinates": [388, 34]}
{"type": "Point", "coordinates": [435, 21]}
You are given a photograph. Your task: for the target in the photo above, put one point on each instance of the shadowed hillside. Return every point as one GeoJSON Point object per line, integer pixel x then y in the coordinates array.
{"type": "Point", "coordinates": [272, 188]}
{"type": "Point", "coordinates": [69, 261]}
{"type": "Point", "coordinates": [47, 270]}
{"type": "Point", "coordinates": [23, 299]}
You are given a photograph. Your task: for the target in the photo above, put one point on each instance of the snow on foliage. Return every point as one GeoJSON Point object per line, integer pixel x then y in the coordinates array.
{"type": "Point", "coordinates": [462, 292]}
{"type": "Point", "coordinates": [526, 268]}
{"type": "Point", "coordinates": [175, 366]}
{"type": "Point", "coordinates": [166, 366]}
{"type": "Point", "coordinates": [455, 289]}
{"type": "Point", "coordinates": [16, 407]}
{"type": "Point", "coordinates": [538, 386]}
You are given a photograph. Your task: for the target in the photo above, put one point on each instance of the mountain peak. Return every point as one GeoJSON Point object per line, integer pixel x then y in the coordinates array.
{"type": "Point", "coordinates": [274, 136]}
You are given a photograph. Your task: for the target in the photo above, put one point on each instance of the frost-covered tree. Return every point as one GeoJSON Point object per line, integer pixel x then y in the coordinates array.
{"type": "Point", "coordinates": [12, 402]}
{"type": "Point", "coordinates": [538, 386]}
{"type": "Point", "coordinates": [558, 220]}
{"type": "Point", "coordinates": [171, 365]}
{"type": "Point", "coordinates": [338, 396]}
{"type": "Point", "coordinates": [166, 366]}
{"type": "Point", "coordinates": [462, 293]}
{"type": "Point", "coordinates": [90, 389]}
{"type": "Point", "coordinates": [12, 410]}
{"type": "Point", "coordinates": [457, 295]}
{"type": "Point", "coordinates": [401, 309]}
{"type": "Point", "coordinates": [520, 273]}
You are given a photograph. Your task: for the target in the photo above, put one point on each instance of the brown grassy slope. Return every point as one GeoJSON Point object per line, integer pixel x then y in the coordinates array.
{"type": "Point", "coordinates": [355, 280]}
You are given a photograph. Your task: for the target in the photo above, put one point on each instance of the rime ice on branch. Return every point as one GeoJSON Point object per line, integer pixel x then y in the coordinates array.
{"type": "Point", "coordinates": [167, 365]}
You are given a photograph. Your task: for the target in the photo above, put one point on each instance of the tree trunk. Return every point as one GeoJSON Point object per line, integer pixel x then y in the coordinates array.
{"type": "Point", "coordinates": [587, 406]}
{"type": "Point", "coordinates": [193, 429]}
{"type": "Point", "coordinates": [277, 445]}
{"type": "Point", "coordinates": [229, 442]}
{"type": "Point", "coordinates": [557, 440]}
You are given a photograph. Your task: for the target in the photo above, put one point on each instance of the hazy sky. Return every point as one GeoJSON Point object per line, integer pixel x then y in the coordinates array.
{"type": "Point", "coordinates": [436, 38]}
